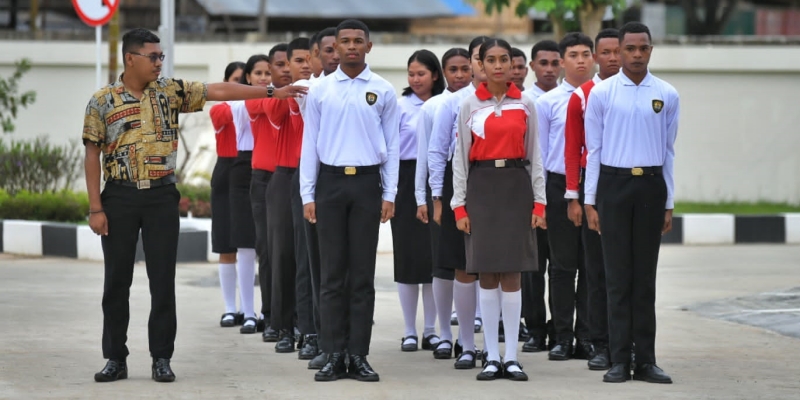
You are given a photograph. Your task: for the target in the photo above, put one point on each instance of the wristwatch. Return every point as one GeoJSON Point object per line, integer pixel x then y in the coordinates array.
{"type": "Point", "coordinates": [270, 91]}
{"type": "Point", "coordinates": [436, 198]}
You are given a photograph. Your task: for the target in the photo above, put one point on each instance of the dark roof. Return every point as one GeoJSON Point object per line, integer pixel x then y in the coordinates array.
{"type": "Point", "coordinates": [333, 9]}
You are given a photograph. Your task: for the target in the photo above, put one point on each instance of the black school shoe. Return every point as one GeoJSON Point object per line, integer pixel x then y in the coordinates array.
{"type": "Point", "coordinates": [227, 320]}
{"type": "Point", "coordinates": [519, 376]}
{"type": "Point", "coordinates": [113, 371]}
{"type": "Point", "coordinates": [490, 376]}
{"type": "Point", "coordinates": [162, 372]}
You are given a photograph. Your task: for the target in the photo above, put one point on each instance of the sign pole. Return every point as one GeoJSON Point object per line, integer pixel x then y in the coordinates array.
{"type": "Point", "coordinates": [98, 35]}
{"type": "Point", "coordinates": [167, 33]}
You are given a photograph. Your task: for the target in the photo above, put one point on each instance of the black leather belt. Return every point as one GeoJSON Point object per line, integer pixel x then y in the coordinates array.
{"type": "Point", "coordinates": [285, 170]}
{"type": "Point", "coordinates": [145, 183]}
{"type": "Point", "coordinates": [367, 169]}
{"type": "Point", "coordinates": [635, 171]}
{"type": "Point", "coordinates": [503, 163]}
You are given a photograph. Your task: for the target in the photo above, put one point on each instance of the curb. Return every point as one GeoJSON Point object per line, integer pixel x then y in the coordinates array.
{"type": "Point", "coordinates": [33, 238]}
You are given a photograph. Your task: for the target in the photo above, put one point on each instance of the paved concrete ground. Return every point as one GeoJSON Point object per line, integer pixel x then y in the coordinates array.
{"type": "Point", "coordinates": [51, 328]}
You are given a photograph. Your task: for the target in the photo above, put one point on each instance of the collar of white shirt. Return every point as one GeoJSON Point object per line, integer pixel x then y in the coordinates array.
{"type": "Point", "coordinates": [647, 81]}
{"type": "Point", "coordinates": [365, 75]}
{"type": "Point", "coordinates": [415, 100]}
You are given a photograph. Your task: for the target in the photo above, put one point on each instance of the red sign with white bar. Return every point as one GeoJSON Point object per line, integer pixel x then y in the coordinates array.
{"type": "Point", "coordinates": [95, 12]}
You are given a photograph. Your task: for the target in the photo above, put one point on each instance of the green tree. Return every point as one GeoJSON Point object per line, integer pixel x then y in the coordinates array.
{"type": "Point", "coordinates": [10, 100]}
{"type": "Point", "coordinates": [589, 12]}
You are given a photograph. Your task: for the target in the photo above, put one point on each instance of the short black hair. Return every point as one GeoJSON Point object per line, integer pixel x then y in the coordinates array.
{"type": "Point", "coordinates": [352, 24]}
{"type": "Point", "coordinates": [313, 40]}
{"type": "Point", "coordinates": [300, 43]}
{"type": "Point", "coordinates": [431, 62]}
{"type": "Point", "coordinates": [515, 52]}
{"type": "Point", "coordinates": [251, 65]}
{"type": "Point", "coordinates": [544, 45]}
{"type": "Point", "coordinates": [233, 67]}
{"type": "Point", "coordinates": [634, 27]}
{"type": "Point", "coordinates": [608, 33]}
{"type": "Point", "coordinates": [454, 52]}
{"type": "Point", "coordinates": [135, 39]}
{"type": "Point", "coordinates": [278, 47]}
{"type": "Point", "coordinates": [491, 43]}
{"type": "Point", "coordinates": [330, 31]}
{"type": "Point", "coordinates": [477, 41]}
{"type": "Point", "coordinates": [574, 39]}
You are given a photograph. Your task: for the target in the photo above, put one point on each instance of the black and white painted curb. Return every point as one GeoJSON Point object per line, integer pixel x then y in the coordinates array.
{"type": "Point", "coordinates": [34, 238]}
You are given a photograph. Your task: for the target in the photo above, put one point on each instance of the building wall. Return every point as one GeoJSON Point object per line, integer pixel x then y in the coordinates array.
{"type": "Point", "coordinates": [738, 138]}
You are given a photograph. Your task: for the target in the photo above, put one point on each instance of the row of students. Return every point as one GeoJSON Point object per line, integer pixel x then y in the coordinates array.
{"type": "Point", "coordinates": [514, 146]}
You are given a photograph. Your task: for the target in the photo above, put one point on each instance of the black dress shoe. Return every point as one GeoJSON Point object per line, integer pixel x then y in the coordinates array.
{"type": "Point", "coordinates": [478, 324]}
{"type": "Point", "coordinates": [583, 350]}
{"type": "Point", "coordinates": [516, 375]}
{"type": "Point", "coordinates": [114, 370]}
{"type": "Point", "coordinates": [501, 333]}
{"type": "Point", "coordinates": [270, 335]}
{"type": "Point", "coordinates": [360, 370]}
{"type": "Point", "coordinates": [453, 319]}
{"type": "Point", "coordinates": [334, 369]}
{"type": "Point", "coordinates": [601, 360]}
{"type": "Point", "coordinates": [488, 375]}
{"type": "Point", "coordinates": [651, 373]}
{"type": "Point", "coordinates": [227, 320]}
{"type": "Point", "coordinates": [260, 325]}
{"type": "Point", "coordinates": [457, 349]}
{"type": "Point", "coordinates": [238, 318]}
{"type": "Point", "coordinates": [162, 371]}
{"type": "Point", "coordinates": [618, 373]}
{"type": "Point", "coordinates": [524, 335]}
{"type": "Point", "coordinates": [285, 343]}
{"type": "Point", "coordinates": [443, 352]}
{"type": "Point", "coordinates": [310, 348]}
{"type": "Point", "coordinates": [411, 346]}
{"type": "Point", "coordinates": [249, 328]}
{"type": "Point", "coordinates": [534, 345]}
{"type": "Point", "coordinates": [426, 342]}
{"type": "Point", "coordinates": [465, 363]}
{"type": "Point", "coordinates": [318, 361]}
{"type": "Point", "coordinates": [562, 351]}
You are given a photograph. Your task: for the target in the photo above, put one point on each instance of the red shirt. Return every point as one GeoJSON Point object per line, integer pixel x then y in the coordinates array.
{"type": "Point", "coordinates": [264, 157]}
{"type": "Point", "coordinates": [575, 151]}
{"type": "Point", "coordinates": [498, 137]}
{"type": "Point", "coordinates": [284, 133]}
{"type": "Point", "coordinates": [222, 119]}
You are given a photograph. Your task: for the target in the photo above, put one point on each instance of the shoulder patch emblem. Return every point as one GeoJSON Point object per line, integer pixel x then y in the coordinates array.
{"type": "Point", "coordinates": [658, 105]}
{"type": "Point", "coordinates": [371, 98]}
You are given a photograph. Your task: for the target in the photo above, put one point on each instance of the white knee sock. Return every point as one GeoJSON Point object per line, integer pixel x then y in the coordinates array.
{"type": "Point", "coordinates": [478, 304]}
{"type": "Point", "coordinates": [409, 295]}
{"type": "Point", "coordinates": [246, 266]}
{"type": "Point", "coordinates": [490, 303]}
{"type": "Point", "coordinates": [227, 281]}
{"type": "Point", "coordinates": [512, 306]}
{"type": "Point", "coordinates": [443, 296]}
{"type": "Point", "coordinates": [464, 296]}
{"type": "Point", "coordinates": [429, 310]}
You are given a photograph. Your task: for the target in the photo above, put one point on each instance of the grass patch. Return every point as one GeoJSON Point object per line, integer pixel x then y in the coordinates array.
{"type": "Point", "coordinates": [735, 208]}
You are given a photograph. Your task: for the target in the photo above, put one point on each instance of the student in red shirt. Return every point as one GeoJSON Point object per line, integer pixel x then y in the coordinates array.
{"type": "Point", "coordinates": [498, 199]}
{"type": "Point", "coordinates": [225, 129]}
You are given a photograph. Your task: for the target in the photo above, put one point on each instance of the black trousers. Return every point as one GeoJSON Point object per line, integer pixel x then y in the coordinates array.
{"type": "Point", "coordinates": [631, 210]}
{"type": "Point", "coordinates": [533, 306]}
{"type": "Point", "coordinates": [566, 261]}
{"type": "Point", "coordinates": [154, 212]}
{"type": "Point", "coordinates": [304, 297]}
{"type": "Point", "coordinates": [258, 199]}
{"type": "Point", "coordinates": [280, 244]}
{"type": "Point", "coordinates": [595, 283]}
{"type": "Point", "coordinates": [348, 219]}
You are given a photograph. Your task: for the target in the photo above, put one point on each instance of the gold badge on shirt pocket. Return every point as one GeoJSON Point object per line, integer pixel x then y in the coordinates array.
{"type": "Point", "coordinates": [658, 105]}
{"type": "Point", "coordinates": [371, 98]}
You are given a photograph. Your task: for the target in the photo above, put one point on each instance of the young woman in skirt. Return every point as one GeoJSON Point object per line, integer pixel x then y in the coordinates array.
{"type": "Point", "coordinates": [410, 237]}
{"type": "Point", "coordinates": [225, 128]}
{"type": "Point", "coordinates": [243, 235]}
{"type": "Point", "coordinates": [458, 74]}
{"type": "Point", "coordinates": [498, 200]}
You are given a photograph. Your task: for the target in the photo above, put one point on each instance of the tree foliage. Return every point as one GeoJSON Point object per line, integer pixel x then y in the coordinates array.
{"type": "Point", "coordinates": [10, 100]}
{"type": "Point", "coordinates": [588, 12]}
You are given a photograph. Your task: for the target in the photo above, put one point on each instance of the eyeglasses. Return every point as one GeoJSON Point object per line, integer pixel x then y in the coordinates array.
{"type": "Point", "coordinates": [153, 57]}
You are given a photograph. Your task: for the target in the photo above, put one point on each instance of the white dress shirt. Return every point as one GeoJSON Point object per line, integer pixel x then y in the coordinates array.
{"type": "Point", "coordinates": [343, 129]}
{"type": "Point", "coordinates": [241, 119]}
{"type": "Point", "coordinates": [533, 92]}
{"type": "Point", "coordinates": [631, 126]}
{"type": "Point", "coordinates": [424, 128]}
{"type": "Point", "coordinates": [442, 144]}
{"type": "Point", "coordinates": [552, 110]}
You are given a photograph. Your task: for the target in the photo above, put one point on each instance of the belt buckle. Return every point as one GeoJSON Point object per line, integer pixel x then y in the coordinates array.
{"type": "Point", "coordinates": [499, 163]}
{"type": "Point", "coordinates": [349, 170]}
{"type": "Point", "coordinates": [145, 184]}
{"type": "Point", "coordinates": [637, 171]}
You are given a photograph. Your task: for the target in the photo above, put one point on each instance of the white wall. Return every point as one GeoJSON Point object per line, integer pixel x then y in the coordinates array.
{"type": "Point", "coordinates": [739, 123]}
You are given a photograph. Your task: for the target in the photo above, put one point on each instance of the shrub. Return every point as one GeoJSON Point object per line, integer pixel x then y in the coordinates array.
{"type": "Point", "coordinates": [38, 166]}
{"type": "Point", "coordinates": [62, 206]}
{"type": "Point", "coordinates": [195, 198]}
